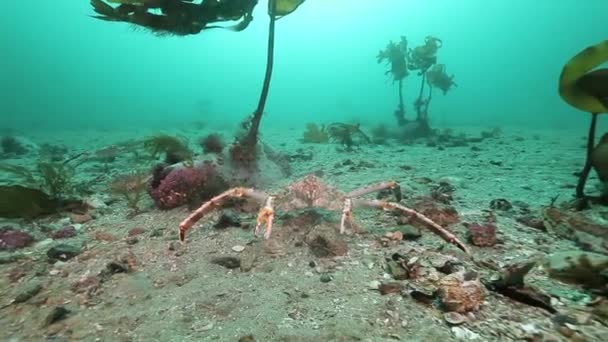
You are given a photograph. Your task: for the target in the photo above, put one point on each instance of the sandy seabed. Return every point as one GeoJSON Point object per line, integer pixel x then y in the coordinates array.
{"type": "Point", "coordinates": [132, 280]}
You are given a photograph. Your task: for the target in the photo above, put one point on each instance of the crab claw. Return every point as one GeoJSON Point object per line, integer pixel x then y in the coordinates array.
{"type": "Point", "coordinates": [265, 217]}
{"type": "Point", "coordinates": [347, 215]}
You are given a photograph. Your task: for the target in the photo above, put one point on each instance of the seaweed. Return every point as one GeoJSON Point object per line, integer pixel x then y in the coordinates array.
{"type": "Point", "coordinates": [11, 145]}
{"type": "Point", "coordinates": [315, 134]}
{"type": "Point", "coordinates": [174, 149]}
{"type": "Point", "coordinates": [131, 187]}
{"type": "Point", "coordinates": [54, 178]}
{"type": "Point", "coordinates": [348, 135]}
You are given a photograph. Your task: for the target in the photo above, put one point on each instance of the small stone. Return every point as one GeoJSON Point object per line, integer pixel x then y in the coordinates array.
{"type": "Point", "coordinates": [64, 233]}
{"type": "Point", "coordinates": [80, 218]}
{"type": "Point", "coordinates": [229, 218]}
{"type": "Point", "coordinates": [454, 318]}
{"type": "Point", "coordinates": [462, 333]}
{"type": "Point", "coordinates": [392, 287]}
{"type": "Point", "coordinates": [131, 240]}
{"type": "Point", "coordinates": [57, 313]}
{"type": "Point", "coordinates": [136, 231]}
{"type": "Point", "coordinates": [374, 285]}
{"type": "Point", "coordinates": [238, 248]}
{"type": "Point", "coordinates": [103, 236]}
{"type": "Point", "coordinates": [409, 232]}
{"type": "Point", "coordinates": [325, 278]}
{"type": "Point", "coordinates": [500, 204]}
{"type": "Point", "coordinates": [395, 269]}
{"type": "Point", "coordinates": [247, 338]}
{"type": "Point", "coordinates": [28, 291]}
{"type": "Point", "coordinates": [11, 239]}
{"type": "Point", "coordinates": [62, 252]}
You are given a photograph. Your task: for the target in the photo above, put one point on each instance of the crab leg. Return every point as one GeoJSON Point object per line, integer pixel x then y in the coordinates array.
{"type": "Point", "coordinates": [215, 203]}
{"type": "Point", "coordinates": [265, 216]}
{"type": "Point", "coordinates": [377, 187]}
{"type": "Point", "coordinates": [427, 222]}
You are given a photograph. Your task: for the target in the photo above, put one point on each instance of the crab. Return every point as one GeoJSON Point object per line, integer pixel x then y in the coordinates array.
{"type": "Point", "coordinates": [311, 192]}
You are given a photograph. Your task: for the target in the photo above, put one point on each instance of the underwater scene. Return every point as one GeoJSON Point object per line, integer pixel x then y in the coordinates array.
{"type": "Point", "coordinates": [304, 170]}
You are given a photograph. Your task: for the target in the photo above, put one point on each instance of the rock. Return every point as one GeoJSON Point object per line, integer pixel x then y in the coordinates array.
{"type": "Point", "coordinates": [80, 218]}
{"type": "Point", "coordinates": [229, 218]}
{"type": "Point", "coordinates": [135, 231]}
{"type": "Point", "coordinates": [461, 294]}
{"type": "Point", "coordinates": [579, 267]}
{"type": "Point", "coordinates": [64, 233]}
{"type": "Point", "coordinates": [11, 239]}
{"type": "Point", "coordinates": [63, 252]}
{"type": "Point", "coordinates": [325, 278]}
{"type": "Point", "coordinates": [410, 232]}
{"type": "Point", "coordinates": [10, 258]}
{"type": "Point", "coordinates": [391, 287]}
{"type": "Point", "coordinates": [97, 201]}
{"type": "Point", "coordinates": [396, 271]}
{"type": "Point", "coordinates": [454, 318]}
{"type": "Point", "coordinates": [57, 313]}
{"type": "Point", "coordinates": [103, 236]}
{"type": "Point", "coordinates": [464, 334]}
{"type": "Point", "coordinates": [374, 285]}
{"type": "Point", "coordinates": [238, 248]}
{"type": "Point", "coordinates": [27, 291]}
{"type": "Point", "coordinates": [500, 204]}
{"type": "Point", "coordinates": [248, 258]}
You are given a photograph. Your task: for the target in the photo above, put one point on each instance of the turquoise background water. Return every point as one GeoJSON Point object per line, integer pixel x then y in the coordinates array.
{"type": "Point", "coordinates": [62, 68]}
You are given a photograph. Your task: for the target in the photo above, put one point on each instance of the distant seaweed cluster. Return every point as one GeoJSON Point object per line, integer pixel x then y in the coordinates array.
{"type": "Point", "coordinates": [423, 59]}
{"type": "Point", "coordinates": [54, 185]}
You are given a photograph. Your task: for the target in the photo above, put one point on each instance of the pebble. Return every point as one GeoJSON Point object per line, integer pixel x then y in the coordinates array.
{"type": "Point", "coordinates": [454, 318]}
{"type": "Point", "coordinates": [462, 333]}
{"type": "Point", "coordinates": [325, 278]}
{"type": "Point", "coordinates": [238, 248]}
{"type": "Point", "coordinates": [374, 285]}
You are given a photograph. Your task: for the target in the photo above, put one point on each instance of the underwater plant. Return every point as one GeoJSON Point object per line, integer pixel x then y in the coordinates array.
{"type": "Point", "coordinates": [175, 150]}
{"type": "Point", "coordinates": [348, 135]}
{"type": "Point", "coordinates": [177, 17]}
{"type": "Point", "coordinates": [380, 134]}
{"type": "Point", "coordinates": [46, 189]}
{"type": "Point", "coordinates": [131, 187]}
{"type": "Point", "coordinates": [244, 150]}
{"type": "Point", "coordinates": [184, 17]}
{"type": "Point", "coordinates": [54, 178]}
{"type": "Point", "coordinates": [212, 143]}
{"type": "Point", "coordinates": [396, 55]}
{"type": "Point", "coordinates": [588, 91]}
{"type": "Point", "coordinates": [437, 77]}
{"type": "Point", "coordinates": [421, 58]}
{"type": "Point", "coordinates": [11, 145]}
{"type": "Point", "coordinates": [315, 134]}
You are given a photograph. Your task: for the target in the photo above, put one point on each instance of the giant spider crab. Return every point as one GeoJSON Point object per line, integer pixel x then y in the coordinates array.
{"type": "Point", "coordinates": [312, 192]}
